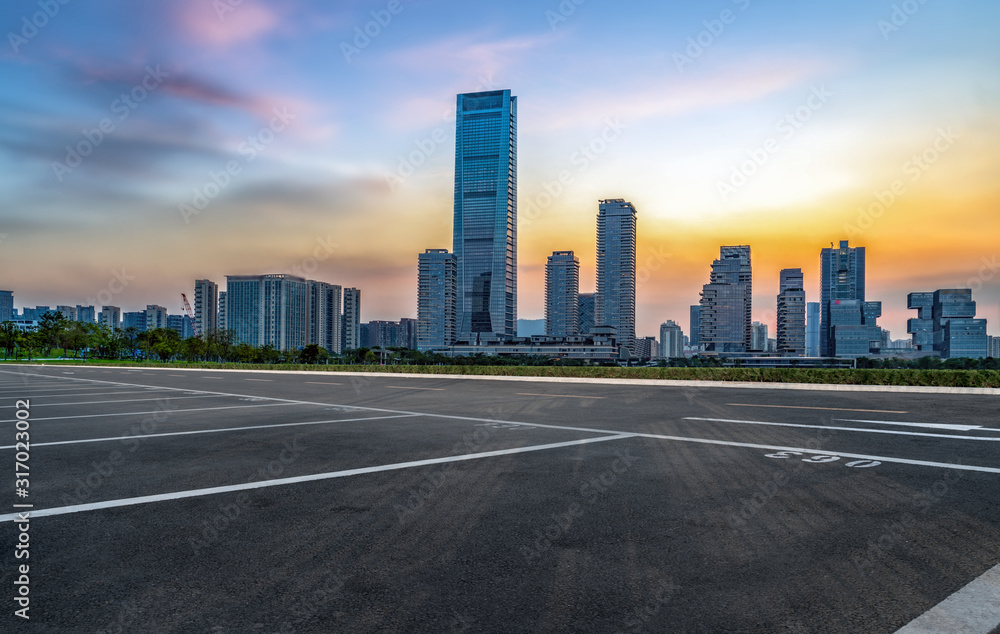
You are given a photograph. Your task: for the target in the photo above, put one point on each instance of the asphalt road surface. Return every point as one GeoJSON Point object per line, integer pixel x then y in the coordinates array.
{"type": "Point", "coordinates": [201, 501]}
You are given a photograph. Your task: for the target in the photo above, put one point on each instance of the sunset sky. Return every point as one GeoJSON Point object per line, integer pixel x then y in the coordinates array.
{"type": "Point", "coordinates": [308, 147]}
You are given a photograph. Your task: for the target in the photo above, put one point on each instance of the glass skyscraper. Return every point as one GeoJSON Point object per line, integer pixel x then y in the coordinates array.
{"type": "Point", "coordinates": [614, 304]}
{"type": "Point", "coordinates": [791, 331]}
{"type": "Point", "coordinates": [842, 278]}
{"type": "Point", "coordinates": [485, 229]}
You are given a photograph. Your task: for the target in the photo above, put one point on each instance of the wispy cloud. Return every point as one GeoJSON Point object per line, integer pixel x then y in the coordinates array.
{"type": "Point", "coordinates": [223, 24]}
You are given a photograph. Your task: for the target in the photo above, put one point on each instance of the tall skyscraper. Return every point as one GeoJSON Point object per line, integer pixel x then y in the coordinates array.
{"type": "Point", "coordinates": [842, 277]}
{"type": "Point", "coordinates": [6, 305]}
{"type": "Point", "coordinates": [68, 312]}
{"type": "Point", "coordinates": [726, 303]}
{"type": "Point", "coordinates": [758, 337]}
{"type": "Point", "coordinates": [585, 306]}
{"type": "Point", "coordinates": [812, 329]}
{"type": "Point", "coordinates": [268, 310]}
{"type": "Point", "coordinates": [324, 315]}
{"type": "Point", "coordinates": [485, 229]}
{"type": "Point", "coordinates": [791, 334]}
{"type": "Point", "coordinates": [85, 314]}
{"type": "Point", "coordinates": [671, 340]}
{"type": "Point", "coordinates": [437, 291]}
{"type": "Point", "coordinates": [614, 304]}
{"type": "Point", "coordinates": [562, 290]}
{"type": "Point", "coordinates": [206, 306]}
{"type": "Point", "coordinates": [694, 338]}
{"type": "Point", "coordinates": [350, 329]}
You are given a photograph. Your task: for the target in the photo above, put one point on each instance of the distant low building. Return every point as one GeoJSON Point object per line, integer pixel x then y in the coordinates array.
{"type": "Point", "coordinates": [671, 340]}
{"type": "Point", "coordinates": [946, 324]}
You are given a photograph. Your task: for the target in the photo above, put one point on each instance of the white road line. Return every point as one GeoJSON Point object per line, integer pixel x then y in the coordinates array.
{"type": "Point", "coordinates": [974, 609]}
{"type": "Point", "coordinates": [211, 431]}
{"type": "Point", "coordinates": [927, 425]}
{"type": "Point", "coordinates": [858, 429]}
{"type": "Point", "coordinates": [37, 396]}
{"type": "Point", "coordinates": [812, 452]}
{"type": "Point", "coordinates": [265, 380]}
{"type": "Point", "coordinates": [159, 411]}
{"type": "Point", "coordinates": [402, 387]}
{"type": "Point", "coordinates": [178, 495]}
{"type": "Point", "coordinates": [831, 409]}
{"type": "Point", "coordinates": [556, 395]}
{"type": "Point", "coordinates": [127, 400]}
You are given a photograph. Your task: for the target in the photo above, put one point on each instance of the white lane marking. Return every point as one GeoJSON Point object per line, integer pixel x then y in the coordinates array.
{"type": "Point", "coordinates": [178, 495]}
{"type": "Point", "coordinates": [403, 387]}
{"type": "Point", "coordinates": [128, 400]}
{"type": "Point", "coordinates": [556, 395]}
{"type": "Point", "coordinates": [949, 426]}
{"type": "Point", "coordinates": [973, 609]}
{"type": "Point", "coordinates": [267, 380]}
{"type": "Point", "coordinates": [39, 396]}
{"type": "Point", "coordinates": [858, 429]}
{"type": "Point", "coordinates": [812, 452]}
{"type": "Point", "coordinates": [159, 411]}
{"type": "Point", "coordinates": [211, 431]}
{"type": "Point", "coordinates": [46, 389]}
{"type": "Point", "coordinates": [832, 409]}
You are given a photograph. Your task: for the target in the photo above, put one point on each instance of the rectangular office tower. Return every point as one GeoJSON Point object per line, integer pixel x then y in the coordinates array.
{"type": "Point", "coordinates": [671, 340]}
{"type": "Point", "coordinates": [485, 229]}
{"type": "Point", "coordinates": [727, 303]}
{"type": "Point", "coordinates": [268, 310]}
{"type": "Point", "coordinates": [614, 304]}
{"type": "Point", "coordinates": [946, 324]}
{"type": "Point", "coordinates": [562, 290]}
{"type": "Point", "coordinates": [791, 333]}
{"type": "Point", "coordinates": [842, 277]}
{"type": "Point", "coordinates": [350, 328]}
{"type": "Point", "coordinates": [206, 307]}
{"type": "Point", "coordinates": [585, 308]}
{"type": "Point", "coordinates": [812, 329]}
{"type": "Point", "coordinates": [437, 292]}
{"type": "Point", "coordinates": [324, 315]}
{"type": "Point", "coordinates": [6, 305]}
{"type": "Point", "coordinates": [110, 316]}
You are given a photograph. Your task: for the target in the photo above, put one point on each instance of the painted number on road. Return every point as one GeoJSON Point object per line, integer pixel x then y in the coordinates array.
{"type": "Point", "coordinates": [820, 458]}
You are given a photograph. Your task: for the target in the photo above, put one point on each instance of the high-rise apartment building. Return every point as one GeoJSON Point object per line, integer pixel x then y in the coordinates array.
{"type": "Point", "coordinates": [562, 290]}
{"type": "Point", "coordinates": [6, 305]}
{"type": "Point", "coordinates": [791, 327]}
{"type": "Point", "coordinates": [85, 314]}
{"type": "Point", "coordinates": [68, 312]}
{"type": "Point", "coordinates": [671, 340]}
{"type": "Point", "coordinates": [585, 308]}
{"type": "Point", "coordinates": [222, 311]}
{"type": "Point", "coordinates": [110, 316]}
{"type": "Point", "coordinates": [324, 315]}
{"type": "Point", "coordinates": [758, 337]}
{"type": "Point", "coordinates": [134, 319]}
{"type": "Point", "coordinates": [485, 229]}
{"type": "Point", "coordinates": [726, 303]}
{"type": "Point", "coordinates": [614, 304]}
{"type": "Point", "coordinates": [812, 329]}
{"type": "Point", "coordinates": [437, 294]}
{"type": "Point", "coordinates": [206, 307]}
{"type": "Point", "coordinates": [842, 277]}
{"type": "Point", "coordinates": [268, 310]}
{"type": "Point", "coordinates": [350, 329]}
{"type": "Point", "coordinates": [156, 317]}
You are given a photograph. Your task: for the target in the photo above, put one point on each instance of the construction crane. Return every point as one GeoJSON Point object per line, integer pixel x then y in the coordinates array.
{"type": "Point", "coordinates": [190, 314]}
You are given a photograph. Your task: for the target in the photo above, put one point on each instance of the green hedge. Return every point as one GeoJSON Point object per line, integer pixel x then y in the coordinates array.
{"type": "Point", "coordinates": [943, 378]}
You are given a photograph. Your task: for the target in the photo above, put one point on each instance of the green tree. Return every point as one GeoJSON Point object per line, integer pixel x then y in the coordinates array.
{"type": "Point", "coordinates": [9, 338]}
{"type": "Point", "coordinates": [50, 330]}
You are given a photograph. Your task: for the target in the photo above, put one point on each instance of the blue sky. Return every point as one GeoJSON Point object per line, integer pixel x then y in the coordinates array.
{"type": "Point", "coordinates": [313, 156]}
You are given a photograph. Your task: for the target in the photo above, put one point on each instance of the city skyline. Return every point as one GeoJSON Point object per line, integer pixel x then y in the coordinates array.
{"type": "Point", "coordinates": [347, 187]}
